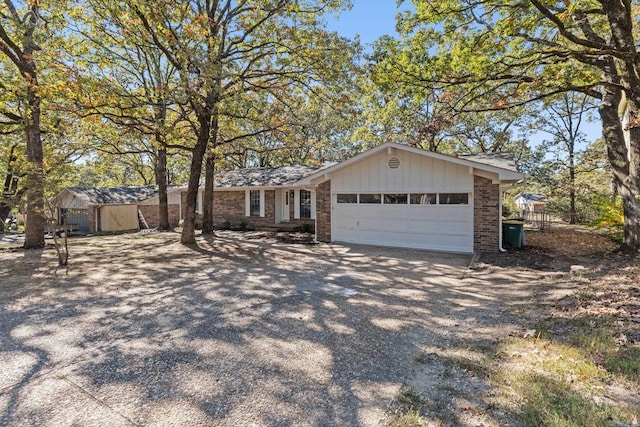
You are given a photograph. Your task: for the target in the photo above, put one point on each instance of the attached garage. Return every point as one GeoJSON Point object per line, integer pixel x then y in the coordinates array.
{"type": "Point", "coordinates": [396, 221]}
{"type": "Point", "coordinates": [399, 196]}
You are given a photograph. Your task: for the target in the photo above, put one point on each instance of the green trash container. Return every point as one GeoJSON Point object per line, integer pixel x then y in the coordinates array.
{"type": "Point", "coordinates": [513, 233]}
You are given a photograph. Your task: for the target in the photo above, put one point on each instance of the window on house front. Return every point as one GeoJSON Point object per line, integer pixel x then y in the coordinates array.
{"type": "Point", "coordinates": [395, 199]}
{"type": "Point", "coordinates": [371, 198]}
{"type": "Point", "coordinates": [423, 199]}
{"type": "Point", "coordinates": [254, 202]}
{"type": "Point", "coordinates": [305, 204]}
{"type": "Point", "coordinates": [453, 198]}
{"type": "Point", "coordinates": [347, 198]}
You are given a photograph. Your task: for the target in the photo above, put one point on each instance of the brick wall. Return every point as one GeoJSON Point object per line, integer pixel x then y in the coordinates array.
{"type": "Point", "coordinates": [486, 215]}
{"type": "Point", "coordinates": [230, 206]}
{"type": "Point", "coordinates": [92, 219]}
{"type": "Point", "coordinates": [152, 215]}
{"type": "Point", "coordinates": [323, 212]}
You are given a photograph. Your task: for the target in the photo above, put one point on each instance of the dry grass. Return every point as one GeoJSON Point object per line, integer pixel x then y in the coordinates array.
{"type": "Point", "coordinates": [576, 362]}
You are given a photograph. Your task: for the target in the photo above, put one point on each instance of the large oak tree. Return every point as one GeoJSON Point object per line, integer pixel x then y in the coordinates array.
{"type": "Point", "coordinates": [18, 45]}
{"type": "Point", "coordinates": [224, 49]}
{"type": "Point", "coordinates": [511, 53]}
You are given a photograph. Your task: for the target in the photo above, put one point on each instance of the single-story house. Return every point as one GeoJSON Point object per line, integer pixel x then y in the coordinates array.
{"type": "Point", "coordinates": [530, 202]}
{"type": "Point", "coordinates": [105, 209]}
{"type": "Point", "coordinates": [390, 195]}
{"type": "Point", "coordinates": [260, 197]}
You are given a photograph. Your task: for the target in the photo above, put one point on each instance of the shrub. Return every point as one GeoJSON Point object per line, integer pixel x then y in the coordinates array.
{"type": "Point", "coordinates": [509, 207]}
{"type": "Point", "coordinates": [610, 217]}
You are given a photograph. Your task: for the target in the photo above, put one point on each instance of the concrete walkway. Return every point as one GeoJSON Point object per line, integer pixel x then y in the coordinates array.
{"type": "Point", "coordinates": [141, 330]}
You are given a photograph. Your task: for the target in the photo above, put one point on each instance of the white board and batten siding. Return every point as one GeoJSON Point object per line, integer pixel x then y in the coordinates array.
{"type": "Point", "coordinates": [439, 227]}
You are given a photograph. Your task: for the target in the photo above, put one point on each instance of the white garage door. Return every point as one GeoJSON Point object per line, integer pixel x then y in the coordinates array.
{"type": "Point", "coordinates": [438, 226]}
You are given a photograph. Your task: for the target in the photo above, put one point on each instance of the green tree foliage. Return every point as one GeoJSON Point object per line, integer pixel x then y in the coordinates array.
{"type": "Point", "coordinates": [501, 55]}
{"type": "Point", "coordinates": [592, 181]}
{"type": "Point", "coordinates": [130, 85]}
{"type": "Point", "coordinates": [424, 114]}
{"type": "Point", "coordinates": [222, 50]}
{"type": "Point", "coordinates": [306, 128]}
{"type": "Point", "coordinates": [563, 120]}
{"type": "Point", "coordinates": [35, 82]}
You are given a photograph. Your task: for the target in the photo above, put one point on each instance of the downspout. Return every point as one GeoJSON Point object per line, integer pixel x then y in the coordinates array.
{"type": "Point", "coordinates": [500, 248]}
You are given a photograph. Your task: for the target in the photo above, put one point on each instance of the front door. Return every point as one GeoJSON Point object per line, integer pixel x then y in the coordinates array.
{"type": "Point", "coordinates": [285, 205]}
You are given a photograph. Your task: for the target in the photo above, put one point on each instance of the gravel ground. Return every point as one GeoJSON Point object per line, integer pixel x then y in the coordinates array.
{"type": "Point", "coordinates": [238, 331]}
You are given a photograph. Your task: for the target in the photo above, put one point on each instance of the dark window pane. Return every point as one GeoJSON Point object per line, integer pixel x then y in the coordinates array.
{"type": "Point", "coordinates": [347, 198]}
{"type": "Point", "coordinates": [423, 199]}
{"type": "Point", "coordinates": [454, 198]}
{"type": "Point", "coordinates": [370, 198]}
{"type": "Point", "coordinates": [305, 204]}
{"type": "Point", "coordinates": [395, 199]}
{"type": "Point", "coordinates": [254, 198]}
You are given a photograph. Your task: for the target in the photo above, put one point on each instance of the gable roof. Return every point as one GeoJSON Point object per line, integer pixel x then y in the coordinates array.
{"type": "Point", "coordinates": [503, 172]}
{"type": "Point", "coordinates": [264, 177]}
{"type": "Point", "coordinates": [113, 195]}
{"type": "Point", "coordinates": [502, 160]}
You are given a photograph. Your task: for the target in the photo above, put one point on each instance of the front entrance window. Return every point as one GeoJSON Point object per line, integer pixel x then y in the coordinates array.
{"type": "Point", "coordinates": [254, 202]}
{"type": "Point", "coordinates": [305, 204]}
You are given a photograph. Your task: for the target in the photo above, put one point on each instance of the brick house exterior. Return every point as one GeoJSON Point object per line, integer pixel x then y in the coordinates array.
{"type": "Point", "coordinates": [390, 195]}
{"type": "Point", "coordinates": [151, 214]}
{"type": "Point", "coordinates": [323, 212]}
{"type": "Point", "coordinates": [486, 215]}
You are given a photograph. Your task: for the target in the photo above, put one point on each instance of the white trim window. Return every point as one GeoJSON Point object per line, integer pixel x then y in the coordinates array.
{"type": "Point", "coordinates": [305, 204]}
{"type": "Point", "coordinates": [254, 203]}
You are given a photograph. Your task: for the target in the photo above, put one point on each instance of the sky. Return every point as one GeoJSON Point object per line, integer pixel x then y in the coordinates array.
{"type": "Point", "coordinates": [368, 18]}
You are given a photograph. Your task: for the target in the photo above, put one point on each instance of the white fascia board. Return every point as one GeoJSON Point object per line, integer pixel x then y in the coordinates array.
{"type": "Point", "coordinates": [324, 174]}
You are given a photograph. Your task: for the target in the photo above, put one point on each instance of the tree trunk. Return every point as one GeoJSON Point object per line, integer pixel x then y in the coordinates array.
{"type": "Point", "coordinates": [35, 225]}
{"type": "Point", "coordinates": [161, 181]}
{"type": "Point", "coordinates": [630, 190]}
{"type": "Point", "coordinates": [188, 236]}
{"type": "Point", "coordinates": [4, 213]}
{"type": "Point", "coordinates": [624, 163]}
{"type": "Point", "coordinates": [572, 187]}
{"type": "Point", "coordinates": [207, 203]}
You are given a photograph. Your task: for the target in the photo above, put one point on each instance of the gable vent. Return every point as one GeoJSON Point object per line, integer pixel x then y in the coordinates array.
{"type": "Point", "coordinates": [393, 163]}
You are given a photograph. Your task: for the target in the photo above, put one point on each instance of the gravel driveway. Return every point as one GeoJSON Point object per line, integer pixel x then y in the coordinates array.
{"type": "Point", "coordinates": [141, 330]}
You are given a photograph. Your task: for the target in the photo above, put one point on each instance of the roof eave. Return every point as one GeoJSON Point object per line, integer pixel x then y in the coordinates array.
{"type": "Point", "coordinates": [324, 174]}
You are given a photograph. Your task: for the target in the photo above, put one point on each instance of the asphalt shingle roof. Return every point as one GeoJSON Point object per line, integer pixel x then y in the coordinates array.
{"type": "Point", "coordinates": [500, 159]}
{"type": "Point", "coordinates": [264, 177]}
{"type": "Point", "coordinates": [115, 195]}
{"type": "Point", "coordinates": [531, 197]}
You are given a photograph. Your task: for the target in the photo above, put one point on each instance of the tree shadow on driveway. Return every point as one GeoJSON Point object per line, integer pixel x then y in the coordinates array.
{"type": "Point", "coordinates": [234, 332]}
